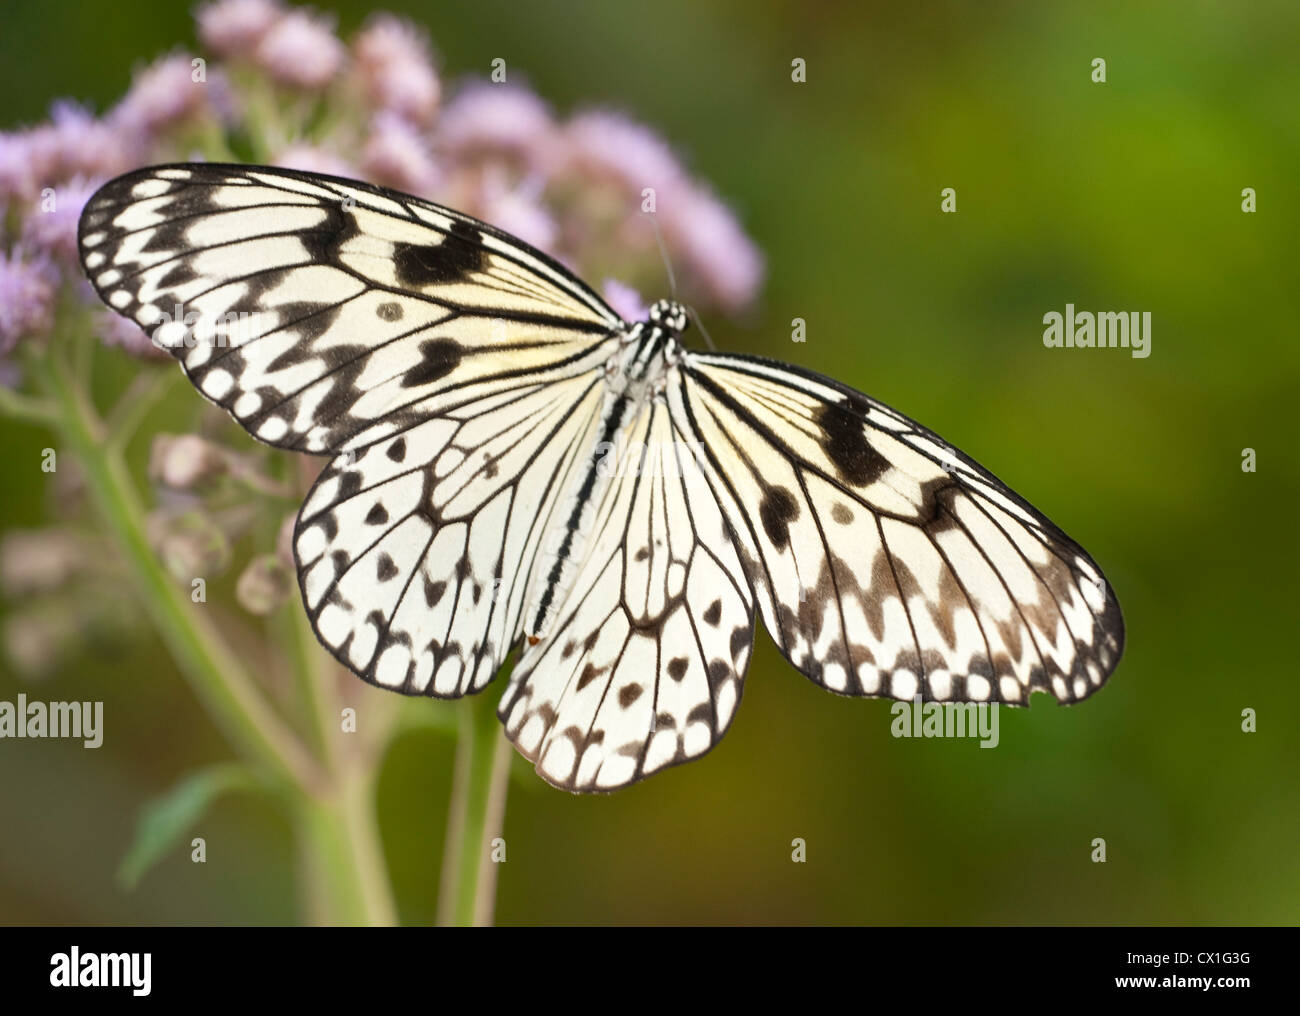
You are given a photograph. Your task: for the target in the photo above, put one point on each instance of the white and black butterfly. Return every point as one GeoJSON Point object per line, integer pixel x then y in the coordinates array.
{"type": "Point", "coordinates": [515, 465]}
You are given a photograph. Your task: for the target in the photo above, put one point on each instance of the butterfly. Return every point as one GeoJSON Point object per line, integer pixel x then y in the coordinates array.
{"type": "Point", "coordinates": [514, 466]}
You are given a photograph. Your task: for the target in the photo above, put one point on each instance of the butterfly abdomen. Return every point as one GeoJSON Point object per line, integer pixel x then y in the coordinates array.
{"type": "Point", "coordinates": [563, 545]}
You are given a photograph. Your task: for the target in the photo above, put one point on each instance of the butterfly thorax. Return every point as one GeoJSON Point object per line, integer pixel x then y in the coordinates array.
{"type": "Point", "coordinates": [637, 373]}
{"type": "Point", "coordinates": [649, 348]}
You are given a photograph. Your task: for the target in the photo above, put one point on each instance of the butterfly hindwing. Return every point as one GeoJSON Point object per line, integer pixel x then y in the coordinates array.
{"type": "Point", "coordinates": [643, 668]}
{"type": "Point", "coordinates": [418, 545]}
{"type": "Point", "coordinates": [884, 561]}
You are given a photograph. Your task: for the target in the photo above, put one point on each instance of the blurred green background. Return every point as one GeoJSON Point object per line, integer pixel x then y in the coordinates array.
{"type": "Point", "coordinates": [1115, 196]}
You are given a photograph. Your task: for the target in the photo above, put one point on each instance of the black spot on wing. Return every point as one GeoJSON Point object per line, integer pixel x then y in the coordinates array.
{"type": "Point", "coordinates": [589, 674]}
{"type": "Point", "coordinates": [777, 510]}
{"type": "Point", "coordinates": [439, 357]}
{"type": "Point", "coordinates": [456, 258]}
{"type": "Point", "coordinates": [844, 438]}
{"type": "Point", "coordinates": [349, 484]}
{"type": "Point", "coordinates": [324, 242]}
{"type": "Point", "coordinates": [741, 638]}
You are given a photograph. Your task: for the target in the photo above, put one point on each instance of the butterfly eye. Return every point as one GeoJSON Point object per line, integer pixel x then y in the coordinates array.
{"type": "Point", "coordinates": [669, 315]}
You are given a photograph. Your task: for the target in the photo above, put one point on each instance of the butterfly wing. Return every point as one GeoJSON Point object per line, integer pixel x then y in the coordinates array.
{"type": "Point", "coordinates": [418, 545]}
{"type": "Point", "coordinates": [453, 371]}
{"type": "Point", "coordinates": [643, 667]}
{"type": "Point", "coordinates": [884, 561]}
{"type": "Point", "coordinates": [311, 307]}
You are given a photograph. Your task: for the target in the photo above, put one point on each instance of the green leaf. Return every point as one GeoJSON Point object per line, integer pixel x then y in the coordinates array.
{"type": "Point", "coordinates": [166, 819]}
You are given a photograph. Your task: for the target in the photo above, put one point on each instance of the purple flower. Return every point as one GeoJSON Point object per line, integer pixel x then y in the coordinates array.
{"type": "Point", "coordinates": [625, 300]}
{"type": "Point", "coordinates": [301, 50]}
{"type": "Point", "coordinates": [395, 154]}
{"type": "Point", "coordinates": [518, 210]}
{"type": "Point", "coordinates": [396, 71]}
{"type": "Point", "coordinates": [162, 95]}
{"type": "Point", "coordinates": [72, 143]}
{"type": "Point", "coordinates": [82, 145]}
{"type": "Point", "coordinates": [27, 292]}
{"type": "Point", "coordinates": [116, 331]}
{"type": "Point", "coordinates": [496, 120]}
{"type": "Point", "coordinates": [311, 159]}
{"type": "Point", "coordinates": [17, 180]}
{"type": "Point", "coordinates": [235, 28]}
{"type": "Point", "coordinates": [717, 251]}
{"type": "Point", "coordinates": [608, 146]}
{"type": "Point", "coordinates": [51, 227]}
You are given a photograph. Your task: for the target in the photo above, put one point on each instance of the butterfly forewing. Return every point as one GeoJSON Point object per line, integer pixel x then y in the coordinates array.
{"type": "Point", "coordinates": [311, 307]}
{"type": "Point", "coordinates": [885, 561]}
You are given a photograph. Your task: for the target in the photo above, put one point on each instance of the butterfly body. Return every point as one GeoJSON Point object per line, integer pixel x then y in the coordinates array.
{"type": "Point", "coordinates": [635, 374]}
{"type": "Point", "coordinates": [513, 465]}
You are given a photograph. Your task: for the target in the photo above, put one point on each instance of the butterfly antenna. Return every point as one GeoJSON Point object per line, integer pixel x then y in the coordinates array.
{"type": "Point", "coordinates": [663, 253]}
{"type": "Point", "coordinates": [672, 283]}
{"type": "Point", "coordinates": [699, 323]}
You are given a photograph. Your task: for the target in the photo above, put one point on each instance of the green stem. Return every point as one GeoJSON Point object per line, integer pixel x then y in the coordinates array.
{"type": "Point", "coordinates": [476, 817]}
{"type": "Point", "coordinates": [334, 803]}
{"type": "Point", "coordinates": [313, 681]}
{"type": "Point", "coordinates": [346, 879]}
{"type": "Point", "coordinates": [217, 677]}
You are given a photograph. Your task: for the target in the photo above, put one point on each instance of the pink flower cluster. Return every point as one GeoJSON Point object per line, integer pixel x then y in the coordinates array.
{"type": "Point", "coordinates": [590, 189]}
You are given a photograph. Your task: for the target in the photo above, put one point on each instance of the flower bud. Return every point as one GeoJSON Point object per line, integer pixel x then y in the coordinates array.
{"type": "Point", "coordinates": [191, 546]}
{"type": "Point", "coordinates": [265, 585]}
{"type": "Point", "coordinates": [185, 461]}
{"type": "Point", "coordinates": [36, 641]}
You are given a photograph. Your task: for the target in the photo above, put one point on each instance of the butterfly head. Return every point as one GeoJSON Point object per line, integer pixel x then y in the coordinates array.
{"type": "Point", "coordinates": [670, 316]}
